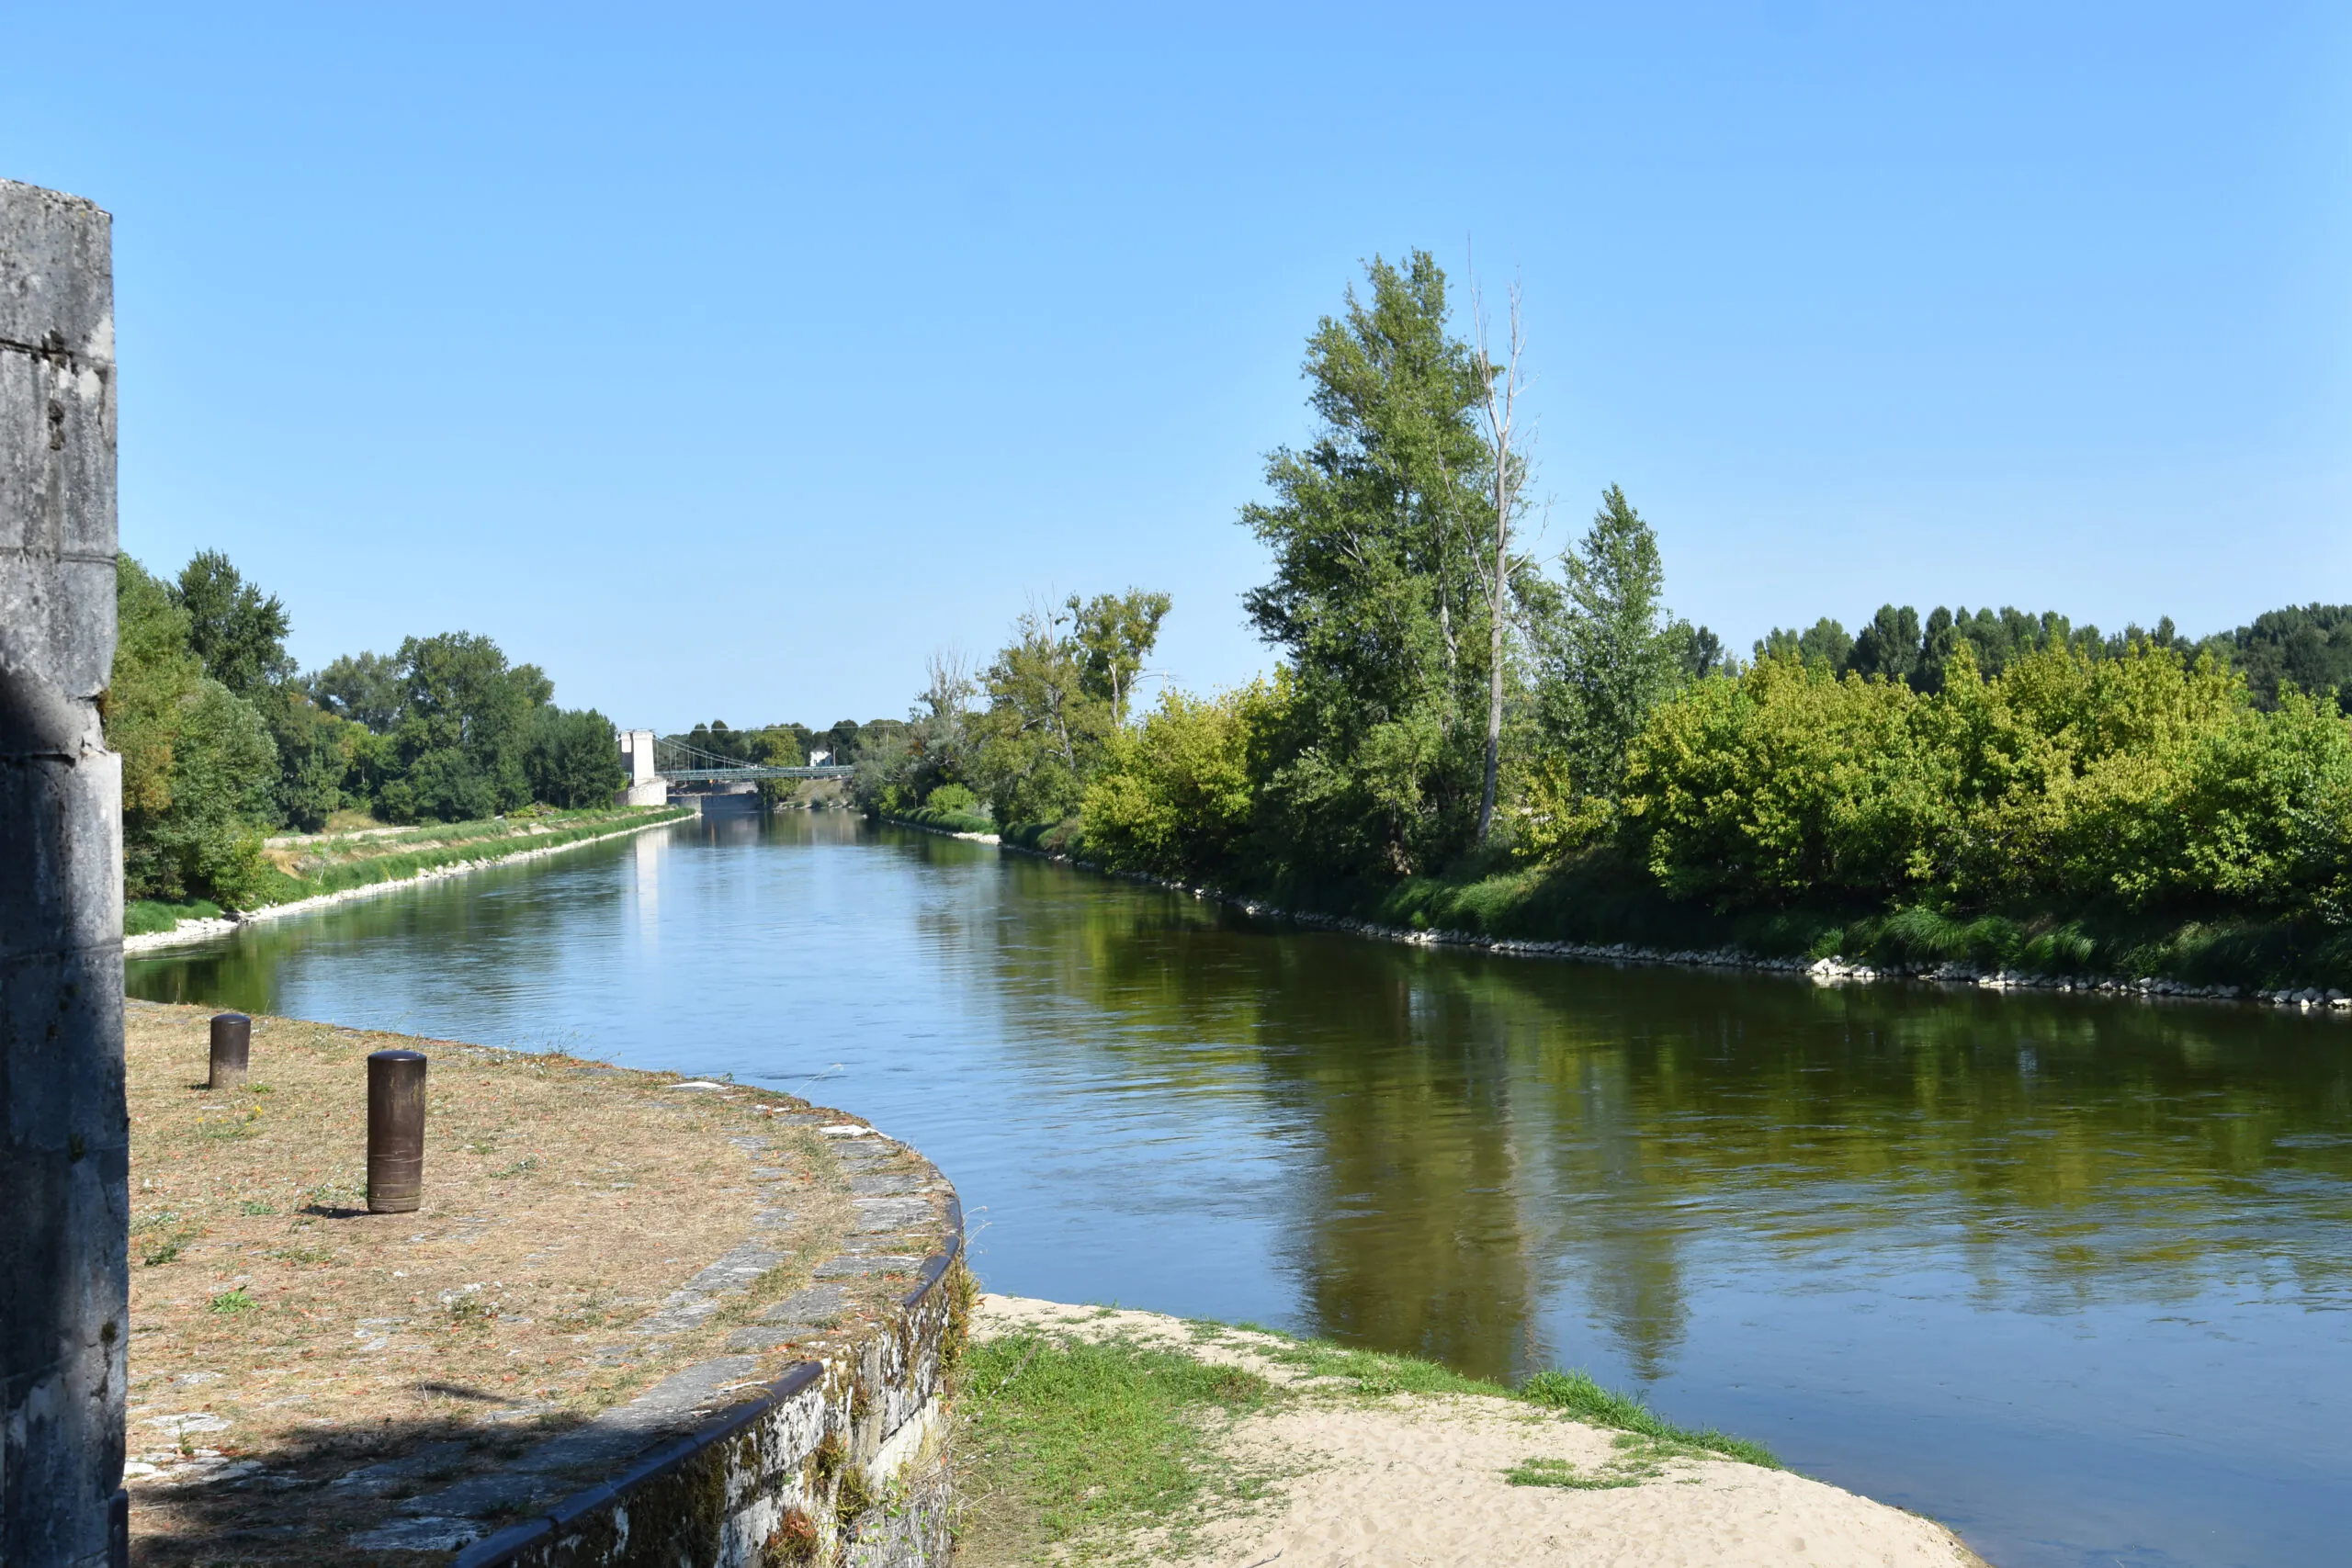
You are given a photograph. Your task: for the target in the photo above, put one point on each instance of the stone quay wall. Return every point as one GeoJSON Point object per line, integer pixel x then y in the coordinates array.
{"type": "Point", "coordinates": [837, 1463]}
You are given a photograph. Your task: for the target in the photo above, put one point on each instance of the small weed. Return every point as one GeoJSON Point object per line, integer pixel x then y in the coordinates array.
{"type": "Point", "coordinates": [165, 1249]}
{"type": "Point", "coordinates": [1579, 1395]}
{"type": "Point", "coordinates": [301, 1254]}
{"type": "Point", "coordinates": [228, 1303]}
{"type": "Point", "coordinates": [853, 1498]}
{"type": "Point", "coordinates": [793, 1541]}
{"type": "Point", "coordinates": [1375, 1375]}
{"type": "Point", "coordinates": [257, 1089]}
{"type": "Point", "coordinates": [528, 1162]}
{"type": "Point", "coordinates": [338, 1194]}
{"type": "Point", "coordinates": [231, 1127]}
{"type": "Point", "coordinates": [255, 1206]}
{"type": "Point", "coordinates": [1536, 1472]}
{"type": "Point", "coordinates": [469, 1310]}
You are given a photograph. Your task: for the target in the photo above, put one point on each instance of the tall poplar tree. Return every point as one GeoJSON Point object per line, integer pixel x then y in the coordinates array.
{"type": "Point", "coordinates": [1377, 530]}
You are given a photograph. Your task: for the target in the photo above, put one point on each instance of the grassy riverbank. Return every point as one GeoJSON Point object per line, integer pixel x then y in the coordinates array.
{"type": "Point", "coordinates": [1079, 1441]}
{"type": "Point", "coordinates": [941, 821]}
{"type": "Point", "coordinates": [317, 865]}
{"type": "Point", "coordinates": [1097, 1435]}
{"type": "Point", "coordinates": [1599, 900]}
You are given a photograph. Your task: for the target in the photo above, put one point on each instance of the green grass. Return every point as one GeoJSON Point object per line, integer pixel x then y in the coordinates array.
{"type": "Point", "coordinates": [1577, 1395]}
{"type": "Point", "coordinates": [945, 822]}
{"type": "Point", "coordinates": [1536, 1471]}
{"type": "Point", "coordinates": [145, 917]}
{"type": "Point", "coordinates": [1072, 1446]}
{"type": "Point", "coordinates": [340, 865]}
{"type": "Point", "coordinates": [396, 857]}
{"type": "Point", "coordinates": [227, 1303]}
{"type": "Point", "coordinates": [1601, 900]}
{"type": "Point", "coordinates": [1638, 1459]}
{"type": "Point", "coordinates": [1098, 1439]}
{"type": "Point", "coordinates": [1377, 1374]}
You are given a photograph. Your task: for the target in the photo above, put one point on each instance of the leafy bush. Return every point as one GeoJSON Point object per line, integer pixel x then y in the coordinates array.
{"type": "Point", "coordinates": [953, 799]}
{"type": "Point", "coordinates": [1173, 798]}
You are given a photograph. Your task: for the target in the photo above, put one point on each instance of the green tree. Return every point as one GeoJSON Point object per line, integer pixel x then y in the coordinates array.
{"type": "Point", "coordinates": [1824, 643]}
{"type": "Point", "coordinates": [1043, 729]}
{"type": "Point", "coordinates": [574, 758]}
{"type": "Point", "coordinates": [198, 764]}
{"type": "Point", "coordinates": [1376, 531]}
{"type": "Point", "coordinates": [2306, 647]}
{"type": "Point", "coordinates": [365, 688]}
{"type": "Point", "coordinates": [1784, 784]}
{"type": "Point", "coordinates": [1612, 655]}
{"type": "Point", "coordinates": [1891, 646]}
{"type": "Point", "coordinates": [316, 751]}
{"type": "Point", "coordinates": [1175, 796]}
{"type": "Point", "coordinates": [1114, 634]}
{"type": "Point", "coordinates": [464, 725]}
{"type": "Point", "coordinates": [236, 630]}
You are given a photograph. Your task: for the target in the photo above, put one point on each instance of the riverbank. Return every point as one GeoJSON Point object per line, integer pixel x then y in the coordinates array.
{"type": "Point", "coordinates": [601, 1260]}
{"type": "Point", "coordinates": [1096, 1433]}
{"type": "Point", "coordinates": [318, 870]}
{"type": "Point", "coordinates": [1569, 913]}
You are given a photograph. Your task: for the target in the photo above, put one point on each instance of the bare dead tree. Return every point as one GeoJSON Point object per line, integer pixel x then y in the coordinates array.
{"type": "Point", "coordinates": [1504, 382]}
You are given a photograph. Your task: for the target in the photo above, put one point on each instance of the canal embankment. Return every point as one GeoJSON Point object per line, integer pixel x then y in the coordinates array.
{"type": "Point", "coordinates": [314, 871]}
{"type": "Point", "coordinates": [636, 1315]}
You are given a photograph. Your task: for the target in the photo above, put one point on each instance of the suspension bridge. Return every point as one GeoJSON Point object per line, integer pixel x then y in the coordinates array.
{"type": "Point", "coordinates": [655, 763]}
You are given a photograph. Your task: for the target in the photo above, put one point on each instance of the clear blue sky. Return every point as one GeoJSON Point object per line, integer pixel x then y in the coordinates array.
{"type": "Point", "coordinates": [725, 363]}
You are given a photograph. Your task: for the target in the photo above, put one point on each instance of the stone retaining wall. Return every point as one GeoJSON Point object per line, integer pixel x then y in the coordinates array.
{"type": "Point", "coordinates": [837, 1461]}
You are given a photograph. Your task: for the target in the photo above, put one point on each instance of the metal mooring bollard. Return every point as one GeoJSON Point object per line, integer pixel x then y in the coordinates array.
{"type": "Point", "coordinates": [395, 1131]}
{"type": "Point", "coordinates": [232, 1041]}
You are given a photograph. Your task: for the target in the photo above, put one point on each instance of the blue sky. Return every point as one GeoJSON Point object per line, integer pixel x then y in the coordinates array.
{"type": "Point", "coordinates": [725, 363]}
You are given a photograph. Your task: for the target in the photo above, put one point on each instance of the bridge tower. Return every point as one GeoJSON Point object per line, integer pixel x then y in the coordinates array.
{"type": "Point", "coordinates": [646, 787]}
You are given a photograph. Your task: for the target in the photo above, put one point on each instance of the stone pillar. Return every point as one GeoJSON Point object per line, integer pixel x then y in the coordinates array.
{"type": "Point", "coordinates": [644, 788]}
{"type": "Point", "coordinates": [64, 1134]}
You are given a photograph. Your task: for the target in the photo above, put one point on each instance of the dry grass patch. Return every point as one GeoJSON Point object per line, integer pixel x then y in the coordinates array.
{"type": "Point", "coordinates": [283, 1335]}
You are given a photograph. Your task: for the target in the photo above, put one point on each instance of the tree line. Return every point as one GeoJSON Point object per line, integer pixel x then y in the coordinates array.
{"type": "Point", "coordinates": [223, 742]}
{"type": "Point", "coordinates": [1447, 702]}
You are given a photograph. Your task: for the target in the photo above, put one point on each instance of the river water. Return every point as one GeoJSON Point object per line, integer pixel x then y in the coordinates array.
{"type": "Point", "coordinates": [2071, 1275]}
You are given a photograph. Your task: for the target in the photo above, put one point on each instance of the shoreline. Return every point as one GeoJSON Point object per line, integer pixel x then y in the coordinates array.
{"type": "Point", "coordinates": [205, 928]}
{"type": "Point", "coordinates": [1819, 971]}
{"type": "Point", "coordinates": [1326, 1457]}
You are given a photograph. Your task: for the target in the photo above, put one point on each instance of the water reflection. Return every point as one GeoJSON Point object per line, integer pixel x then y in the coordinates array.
{"type": "Point", "coordinates": [2069, 1274]}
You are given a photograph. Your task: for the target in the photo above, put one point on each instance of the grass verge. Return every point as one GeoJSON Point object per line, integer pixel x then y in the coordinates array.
{"type": "Point", "coordinates": [145, 917]}
{"type": "Point", "coordinates": [944, 821]}
{"type": "Point", "coordinates": [1601, 900]}
{"type": "Point", "coordinates": [1079, 1444]}
{"type": "Point", "coordinates": [1096, 1441]}
{"type": "Point", "coordinates": [321, 864]}
{"type": "Point", "coordinates": [1377, 1374]}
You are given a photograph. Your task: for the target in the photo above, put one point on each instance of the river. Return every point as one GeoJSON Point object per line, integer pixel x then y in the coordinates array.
{"type": "Point", "coordinates": [2070, 1274]}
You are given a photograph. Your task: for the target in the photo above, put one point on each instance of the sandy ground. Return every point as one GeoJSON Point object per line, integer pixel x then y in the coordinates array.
{"type": "Point", "coordinates": [1418, 1481]}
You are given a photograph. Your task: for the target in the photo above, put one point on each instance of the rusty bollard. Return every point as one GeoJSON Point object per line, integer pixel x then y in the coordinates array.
{"type": "Point", "coordinates": [395, 1131]}
{"type": "Point", "coordinates": [232, 1040]}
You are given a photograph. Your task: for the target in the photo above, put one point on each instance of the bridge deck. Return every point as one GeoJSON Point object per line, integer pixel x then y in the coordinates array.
{"type": "Point", "coordinates": [734, 775]}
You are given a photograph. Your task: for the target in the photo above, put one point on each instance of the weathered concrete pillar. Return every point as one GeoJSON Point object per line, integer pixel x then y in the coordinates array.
{"type": "Point", "coordinates": [64, 1134]}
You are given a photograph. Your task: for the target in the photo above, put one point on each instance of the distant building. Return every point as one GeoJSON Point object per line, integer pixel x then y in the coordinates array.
{"type": "Point", "coordinates": [820, 759]}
